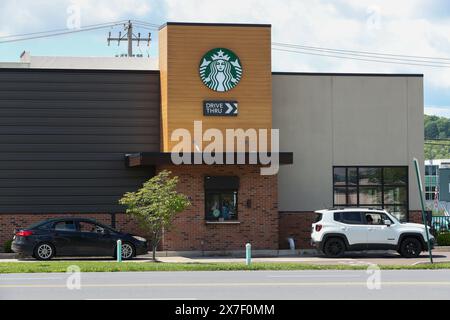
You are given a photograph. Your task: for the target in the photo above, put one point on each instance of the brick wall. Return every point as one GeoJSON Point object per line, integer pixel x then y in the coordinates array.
{"type": "Point", "coordinates": [258, 224]}
{"type": "Point", "coordinates": [296, 225]}
{"type": "Point", "coordinates": [9, 222]}
{"type": "Point", "coordinates": [415, 217]}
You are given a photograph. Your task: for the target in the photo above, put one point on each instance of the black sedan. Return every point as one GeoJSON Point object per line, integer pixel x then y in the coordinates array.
{"type": "Point", "coordinates": [75, 237]}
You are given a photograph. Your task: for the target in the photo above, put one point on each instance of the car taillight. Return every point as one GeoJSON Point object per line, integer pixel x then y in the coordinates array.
{"type": "Point", "coordinates": [24, 233]}
{"type": "Point", "coordinates": [318, 227]}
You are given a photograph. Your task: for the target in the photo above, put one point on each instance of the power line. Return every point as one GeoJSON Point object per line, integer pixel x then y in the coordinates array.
{"type": "Point", "coordinates": [369, 56]}
{"type": "Point", "coordinates": [60, 33]}
{"type": "Point", "coordinates": [359, 52]}
{"type": "Point", "coordinates": [145, 28]}
{"type": "Point", "coordinates": [60, 30]}
{"type": "Point", "coordinates": [146, 23]}
{"type": "Point", "coordinates": [130, 37]}
{"type": "Point", "coordinates": [360, 59]}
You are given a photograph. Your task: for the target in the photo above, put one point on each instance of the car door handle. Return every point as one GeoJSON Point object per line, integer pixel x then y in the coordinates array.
{"type": "Point", "coordinates": [370, 229]}
{"type": "Point", "coordinates": [343, 228]}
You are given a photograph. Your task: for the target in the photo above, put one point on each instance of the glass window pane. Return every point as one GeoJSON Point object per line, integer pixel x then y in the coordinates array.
{"type": "Point", "coordinates": [352, 197]}
{"type": "Point", "coordinates": [340, 196]}
{"type": "Point", "coordinates": [340, 176]}
{"type": "Point", "coordinates": [395, 195]}
{"type": "Point", "coordinates": [370, 195]}
{"type": "Point", "coordinates": [373, 218]}
{"type": "Point", "coordinates": [229, 206]}
{"type": "Point", "coordinates": [351, 217]}
{"type": "Point", "coordinates": [221, 206]}
{"type": "Point", "coordinates": [395, 175]}
{"type": "Point", "coordinates": [352, 176]}
{"type": "Point", "coordinates": [212, 206]}
{"type": "Point", "coordinates": [369, 176]}
{"type": "Point", "coordinates": [65, 226]}
{"type": "Point", "coordinates": [428, 170]}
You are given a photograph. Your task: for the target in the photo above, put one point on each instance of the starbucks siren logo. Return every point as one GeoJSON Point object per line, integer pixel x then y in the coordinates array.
{"type": "Point", "coordinates": [220, 69]}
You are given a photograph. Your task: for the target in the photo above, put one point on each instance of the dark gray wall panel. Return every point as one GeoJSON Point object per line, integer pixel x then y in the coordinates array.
{"type": "Point", "coordinates": [64, 135]}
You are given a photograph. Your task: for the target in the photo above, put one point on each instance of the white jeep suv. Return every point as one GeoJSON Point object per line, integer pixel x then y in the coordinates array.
{"type": "Point", "coordinates": [358, 229]}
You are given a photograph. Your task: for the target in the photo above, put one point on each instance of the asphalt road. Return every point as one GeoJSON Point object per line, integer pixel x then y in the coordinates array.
{"type": "Point", "coordinates": [237, 285]}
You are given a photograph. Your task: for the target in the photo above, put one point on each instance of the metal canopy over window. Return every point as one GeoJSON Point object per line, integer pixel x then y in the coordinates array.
{"type": "Point", "coordinates": [221, 183]}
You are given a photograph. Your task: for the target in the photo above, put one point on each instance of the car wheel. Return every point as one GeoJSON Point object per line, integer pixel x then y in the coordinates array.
{"type": "Point", "coordinates": [128, 251]}
{"type": "Point", "coordinates": [44, 251]}
{"type": "Point", "coordinates": [334, 248]}
{"type": "Point", "coordinates": [410, 248]}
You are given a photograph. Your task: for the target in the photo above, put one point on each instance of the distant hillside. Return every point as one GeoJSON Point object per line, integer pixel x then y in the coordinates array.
{"type": "Point", "coordinates": [437, 137]}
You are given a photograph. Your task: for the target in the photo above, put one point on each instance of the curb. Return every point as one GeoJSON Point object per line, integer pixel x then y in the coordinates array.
{"type": "Point", "coordinates": [7, 255]}
{"type": "Point", "coordinates": [240, 253]}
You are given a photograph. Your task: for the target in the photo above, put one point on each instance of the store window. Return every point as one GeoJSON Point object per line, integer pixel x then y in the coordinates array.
{"type": "Point", "coordinates": [375, 187]}
{"type": "Point", "coordinates": [221, 199]}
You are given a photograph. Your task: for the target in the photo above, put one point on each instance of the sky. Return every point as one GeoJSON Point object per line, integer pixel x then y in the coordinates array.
{"type": "Point", "coordinates": [406, 27]}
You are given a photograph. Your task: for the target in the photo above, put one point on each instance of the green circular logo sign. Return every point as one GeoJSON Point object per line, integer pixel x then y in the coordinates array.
{"type": "Point", "coordinates": [220, 69]}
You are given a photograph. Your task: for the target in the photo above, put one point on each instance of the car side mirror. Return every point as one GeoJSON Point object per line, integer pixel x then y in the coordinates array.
{"type": "Point", "coordinates": [387, 223]}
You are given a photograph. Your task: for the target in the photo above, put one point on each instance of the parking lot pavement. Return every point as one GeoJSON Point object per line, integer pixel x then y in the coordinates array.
{"type": "Point", "coordinates": [357, 258]}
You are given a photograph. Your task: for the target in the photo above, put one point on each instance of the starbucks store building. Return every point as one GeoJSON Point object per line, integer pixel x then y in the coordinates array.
{"type": "Point", "coordinates": [74, 140]}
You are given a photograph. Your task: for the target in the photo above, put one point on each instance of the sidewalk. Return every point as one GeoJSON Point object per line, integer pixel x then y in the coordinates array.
{"type": "Point", "coordinates": [357, 258]}
{"type": "Point", "coordinates": [349, 259]}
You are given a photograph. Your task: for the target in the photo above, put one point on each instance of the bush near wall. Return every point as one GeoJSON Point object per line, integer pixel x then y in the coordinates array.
{"type": "Point", "coordinates": [7, 246]}
{"type": "Point", "coordinates": [443, 239]}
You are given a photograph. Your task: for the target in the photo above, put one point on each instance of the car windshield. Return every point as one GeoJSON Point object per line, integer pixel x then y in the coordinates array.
{"type": "Point", "coordinates": [393, 217]}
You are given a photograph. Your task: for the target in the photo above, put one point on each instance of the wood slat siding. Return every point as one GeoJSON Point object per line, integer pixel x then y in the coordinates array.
{"type": "Point", "coordinates": [64, 135]}
{"type": "Point", "coordinates": [181, 49]}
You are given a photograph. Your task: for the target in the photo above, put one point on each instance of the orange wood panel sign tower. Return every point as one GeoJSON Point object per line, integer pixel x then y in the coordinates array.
{"type": "Point", "coordinates": [188, 79]}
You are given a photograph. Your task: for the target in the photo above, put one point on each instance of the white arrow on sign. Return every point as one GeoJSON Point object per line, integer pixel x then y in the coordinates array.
{"type": "Point", "coordinates": [232, 108]}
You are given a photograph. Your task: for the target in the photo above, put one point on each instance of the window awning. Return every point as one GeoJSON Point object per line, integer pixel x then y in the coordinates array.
{"type": "Point", "coordinates": [221, 183]}
{"type": "Point", "coordinates": [144, 159]}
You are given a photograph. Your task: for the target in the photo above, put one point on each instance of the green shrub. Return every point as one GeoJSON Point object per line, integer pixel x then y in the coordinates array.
{"type": "Point", "coordinates": [7, 246]}
{"type": "Point", "coordinates": [443, 239]}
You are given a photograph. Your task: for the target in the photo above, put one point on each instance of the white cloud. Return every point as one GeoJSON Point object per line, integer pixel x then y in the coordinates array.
{"type": "Point", "coordinates": [440, 111]}
{"type": "Point", "coordinates": [387, 27]}
{"type": "Point", "coordinates": [19, 16]}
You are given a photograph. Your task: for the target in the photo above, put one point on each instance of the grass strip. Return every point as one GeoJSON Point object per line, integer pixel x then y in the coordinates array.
{"type": "Point", "coordinates": [95, 266]}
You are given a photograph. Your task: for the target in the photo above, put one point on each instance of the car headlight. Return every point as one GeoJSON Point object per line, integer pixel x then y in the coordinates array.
{"type": "Point", "coordinates": [140, 238]}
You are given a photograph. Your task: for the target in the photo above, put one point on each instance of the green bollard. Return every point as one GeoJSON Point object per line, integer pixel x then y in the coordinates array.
{"type": "Point", "coordinates": [119, 250]}
{"type": "Point", "coordinates": [248, 254]}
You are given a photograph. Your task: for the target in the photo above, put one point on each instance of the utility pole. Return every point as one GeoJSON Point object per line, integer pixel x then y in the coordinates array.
{"type": "Point", "coordinates": [130, 37]}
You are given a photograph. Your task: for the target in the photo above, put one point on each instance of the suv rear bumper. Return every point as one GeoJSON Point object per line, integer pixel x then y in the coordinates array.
{"type": "Point", "coordinates": [317, 244]}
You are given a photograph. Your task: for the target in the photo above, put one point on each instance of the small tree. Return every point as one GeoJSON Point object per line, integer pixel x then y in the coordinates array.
{"type": "Point", "coordinates": [155, 205]}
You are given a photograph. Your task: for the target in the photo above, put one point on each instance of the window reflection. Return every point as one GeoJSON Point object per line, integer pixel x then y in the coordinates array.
{"type": "Point", "coordinates": [377, 187]}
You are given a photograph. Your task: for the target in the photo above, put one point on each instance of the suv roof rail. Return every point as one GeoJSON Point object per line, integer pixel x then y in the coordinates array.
{"type": "Point", "coordinates": [344, 208]}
